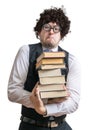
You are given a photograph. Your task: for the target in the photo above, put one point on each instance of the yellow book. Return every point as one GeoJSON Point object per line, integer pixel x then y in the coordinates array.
{"type": "Point", "coordinates": [48, 67]}
{"type": "Point", "coordinates": [48, 61]}
{"type": "Point", "coordinates": [51, 55]}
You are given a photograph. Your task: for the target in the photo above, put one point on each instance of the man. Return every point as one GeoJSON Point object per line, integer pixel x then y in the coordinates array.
{"type": "Point", "coordinates": [37, 114]}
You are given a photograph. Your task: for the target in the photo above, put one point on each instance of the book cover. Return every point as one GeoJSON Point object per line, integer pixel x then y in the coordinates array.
{"type": "Point", "coordinates": [52, 80]}
{"type": "Point", "coordinates": [53, 94]}
{"type": "Point", "coordinates": [51, 55]}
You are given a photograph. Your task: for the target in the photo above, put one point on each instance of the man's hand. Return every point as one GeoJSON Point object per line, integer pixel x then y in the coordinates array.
{"type": "Point", "coordinates": [36, 100]}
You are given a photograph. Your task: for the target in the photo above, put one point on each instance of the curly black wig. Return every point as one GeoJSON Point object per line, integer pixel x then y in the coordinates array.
{"type": "Point", "coordinates": [56, 15]}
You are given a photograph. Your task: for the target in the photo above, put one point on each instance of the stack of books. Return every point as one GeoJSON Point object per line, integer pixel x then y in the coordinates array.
{"type": "Point", "coordinates": [51, 80]}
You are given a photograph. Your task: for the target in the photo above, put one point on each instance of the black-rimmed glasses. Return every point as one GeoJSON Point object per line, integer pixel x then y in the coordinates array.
{"type": "Point", "coordinates": [48, 28]}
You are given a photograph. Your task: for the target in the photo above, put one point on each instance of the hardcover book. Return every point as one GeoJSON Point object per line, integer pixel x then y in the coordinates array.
{"type": "Point", "coordinates": [53, 94]}
{"type": "Point", "coordinates": [51, 72]}
{"type": "Point", "coordinates": [52, 80]}
{"type": "Point", "coordinates": [49, 67]}
{"type": "Point", "coordinates": [51, 87]}
{"type": "Point", "coordinates": [51, 55]}
{"type": "Point", "coordinates": [51, 61]}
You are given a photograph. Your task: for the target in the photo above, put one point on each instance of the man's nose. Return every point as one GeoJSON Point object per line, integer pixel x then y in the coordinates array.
{"type": "Point", "coordinates": [51, 30]}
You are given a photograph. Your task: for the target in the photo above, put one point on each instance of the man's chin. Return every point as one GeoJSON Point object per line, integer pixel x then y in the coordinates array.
{"type": "Point", "coordinates": [48, 45]}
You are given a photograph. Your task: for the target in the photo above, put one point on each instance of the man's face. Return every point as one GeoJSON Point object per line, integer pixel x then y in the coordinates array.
{"type": "Point", "coordinates": [50, 35]}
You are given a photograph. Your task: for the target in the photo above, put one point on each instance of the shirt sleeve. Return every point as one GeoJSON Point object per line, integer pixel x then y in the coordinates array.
{"type": "Point", "coordinates": [16, 92]}
{"type": "Point", "coordinates": [73, 84]}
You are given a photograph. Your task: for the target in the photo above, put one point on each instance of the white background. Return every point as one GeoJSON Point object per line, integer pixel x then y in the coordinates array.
{"type": "Point", "coordinates": [17, 19]}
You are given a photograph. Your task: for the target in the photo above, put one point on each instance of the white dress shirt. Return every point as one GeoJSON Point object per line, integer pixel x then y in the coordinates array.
{"type": "Point", "coordinates": [16, 92]}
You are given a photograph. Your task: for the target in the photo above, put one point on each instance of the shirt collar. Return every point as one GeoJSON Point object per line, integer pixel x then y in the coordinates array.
{"type": "Point", "coordinates": [52, 50]}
